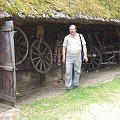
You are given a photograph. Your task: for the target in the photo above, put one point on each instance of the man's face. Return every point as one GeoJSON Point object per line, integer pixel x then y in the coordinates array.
{"type": "Point", "coordinates": [72, 30]}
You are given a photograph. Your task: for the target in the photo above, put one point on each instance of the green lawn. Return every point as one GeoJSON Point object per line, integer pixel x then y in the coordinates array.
{"type": "Point", "coordinates": [55, 108]}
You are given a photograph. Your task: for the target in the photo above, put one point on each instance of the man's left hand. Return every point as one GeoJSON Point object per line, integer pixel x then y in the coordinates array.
{"type": "Point", "coordinates": [85, 58]}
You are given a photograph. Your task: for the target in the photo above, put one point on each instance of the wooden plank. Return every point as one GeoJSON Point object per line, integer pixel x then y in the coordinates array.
{"type": "Point", "coordinates": [7, 98]}
{"type": "Point", "coordinates": [7, 63]}
{"type": "Point", "coordinates": [110, 52]}
{"type": "Point", "coordinates": [7, 68]}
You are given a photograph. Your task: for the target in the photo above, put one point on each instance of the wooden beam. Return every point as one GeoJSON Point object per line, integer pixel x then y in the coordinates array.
{"type": "Point", "coordinates": [7, 98]}
{"type": "Point", "coordinates": [6, 68]}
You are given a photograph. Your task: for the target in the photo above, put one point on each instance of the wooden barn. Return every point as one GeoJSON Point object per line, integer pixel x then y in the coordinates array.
{"type": "Point", "coordinates": [31, 36]}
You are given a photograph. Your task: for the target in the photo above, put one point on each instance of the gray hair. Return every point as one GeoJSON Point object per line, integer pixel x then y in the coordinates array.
{"type": "Point", "coordinates": [73, 26]}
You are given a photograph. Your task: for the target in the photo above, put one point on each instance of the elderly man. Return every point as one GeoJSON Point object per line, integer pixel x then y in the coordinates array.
{"type": "Point", "coordinates": [72, 46]}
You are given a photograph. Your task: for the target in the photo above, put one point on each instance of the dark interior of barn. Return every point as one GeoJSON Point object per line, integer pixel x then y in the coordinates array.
{"type": "Point", "coordinates": [103, 43]}
{"type": "Point", "coordinates": [105, 39]}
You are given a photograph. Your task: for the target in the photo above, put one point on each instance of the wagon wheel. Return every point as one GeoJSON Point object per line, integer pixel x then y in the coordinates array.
{"type": "Point", "coordinates": [94, 58]}
{"type": "Point", "coordinates": [21, 45]}
{"type": "Point", "coordinates": [110, 48]}
{"type": "Point", "coordinates": [41, 56]}
{"type": "Point", "coordinates": [109, 56]}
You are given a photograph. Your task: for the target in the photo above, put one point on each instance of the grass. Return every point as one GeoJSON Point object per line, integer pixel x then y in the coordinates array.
{"type": "Point", "coordinates": [57, 107]}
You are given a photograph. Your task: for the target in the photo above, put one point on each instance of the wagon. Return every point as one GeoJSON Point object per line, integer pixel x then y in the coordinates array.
{"type": "Point", "coordinates": [103, 48]}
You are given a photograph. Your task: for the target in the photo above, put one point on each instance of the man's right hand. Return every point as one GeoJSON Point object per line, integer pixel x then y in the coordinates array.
{"type": "Point", "coordinates": [63, 60]}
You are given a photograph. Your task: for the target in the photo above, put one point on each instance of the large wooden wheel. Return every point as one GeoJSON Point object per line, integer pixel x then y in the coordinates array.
{"type": "Point", "coordinates": [41, 56]}
{"type": "Point", "coordinates": [94, 58]}
{"type": "Point", "coordinates": [21, 45]}
{"type": "Point", "coordinates": [111, 48]}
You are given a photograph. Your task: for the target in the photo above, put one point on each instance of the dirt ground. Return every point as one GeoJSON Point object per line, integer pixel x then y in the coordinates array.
{"type": "Point", "coordinates": [54, 88]}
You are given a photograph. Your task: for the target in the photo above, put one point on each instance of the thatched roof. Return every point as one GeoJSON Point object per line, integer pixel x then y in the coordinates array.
{"type": "Point", "coordinates": [62, 10]}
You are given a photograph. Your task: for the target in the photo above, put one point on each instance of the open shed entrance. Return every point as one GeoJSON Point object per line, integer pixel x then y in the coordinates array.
{"type": "Point", "coordinates": [103, 42]}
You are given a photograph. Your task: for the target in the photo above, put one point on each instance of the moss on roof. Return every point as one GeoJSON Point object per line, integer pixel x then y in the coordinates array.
{"type": "Point", "coordinates": [109, 9]}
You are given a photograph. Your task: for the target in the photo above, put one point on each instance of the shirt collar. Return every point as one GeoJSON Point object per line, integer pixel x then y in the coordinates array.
{"type": "Point", "coordinates": [75, 35]}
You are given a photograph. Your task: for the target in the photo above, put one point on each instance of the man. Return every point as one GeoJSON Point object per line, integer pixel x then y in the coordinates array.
{"type": "Point", "coordinates": [71, 52]}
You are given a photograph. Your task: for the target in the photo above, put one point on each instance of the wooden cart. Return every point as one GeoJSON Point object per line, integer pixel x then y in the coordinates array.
{"type": "Point", "coordinates": [103, 48]}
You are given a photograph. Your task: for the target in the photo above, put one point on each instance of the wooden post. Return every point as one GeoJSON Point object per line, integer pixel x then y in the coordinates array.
{"type": "Point", "coordinates": [7, 64]}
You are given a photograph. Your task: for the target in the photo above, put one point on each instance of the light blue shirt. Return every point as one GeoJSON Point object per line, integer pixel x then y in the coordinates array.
{"type": "Point", "coordinates": [73, 44]}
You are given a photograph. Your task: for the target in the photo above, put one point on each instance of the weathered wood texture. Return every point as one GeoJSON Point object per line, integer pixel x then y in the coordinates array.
{"type": "Point", "coordinates": [7, 64]}
{"type": "Point", "coordinates": [28, 81]}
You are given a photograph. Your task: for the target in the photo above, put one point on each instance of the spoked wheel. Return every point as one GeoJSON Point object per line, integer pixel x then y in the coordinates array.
{"type": "Point", "coordinates": [41, 56]}
{"type": "Point", "coordinates": [21, 45]}
{"type": "Point", "coordinates": [94, 58]}
{"type": "Point", "coordinates": [111, 48]}
{"type": "Point", "coordinates": [109, 55]}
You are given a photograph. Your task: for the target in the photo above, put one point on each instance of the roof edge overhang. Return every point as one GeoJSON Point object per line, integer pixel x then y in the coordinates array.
{"type": "Point", "coordinates": [65, 20]}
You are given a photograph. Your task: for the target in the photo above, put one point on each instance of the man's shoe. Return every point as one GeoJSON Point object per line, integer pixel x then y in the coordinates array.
{"type": "Point", "coordinates": [67, 89]}
{"type": "Point", "coordinates": [75, 87]}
